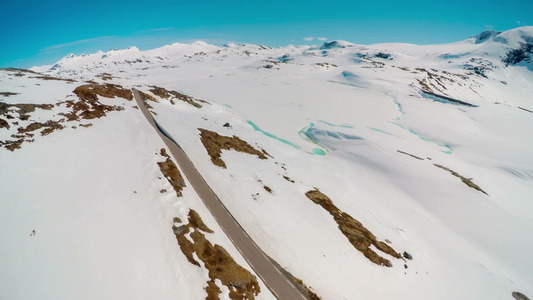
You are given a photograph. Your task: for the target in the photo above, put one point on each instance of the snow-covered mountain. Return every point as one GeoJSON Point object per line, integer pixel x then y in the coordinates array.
{"type": "Point", "coordinates": [388, 171]}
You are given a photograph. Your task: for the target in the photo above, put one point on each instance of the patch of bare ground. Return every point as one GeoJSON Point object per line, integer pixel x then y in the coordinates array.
{"type": "Point", "coordinates": [218, 262]}
{"type": "Point", "coordinates": [89, 92]}
{"type": "Point", "coordinates": [24, 133]}
{"type": "Point", "coordinates": [18, 70]}
{"type": "Point", "coordinates": [46, 77]}
{"type": "Point", "coordinates": [467, 181]}
{"type": "Point", "coordinates": [374, 64]}
{"type": "Point", "coordinates": [105, 76]}
{"type": "Point", "coordinates": [171, 173]}
{"type": "Point", "coordinates": [409, 154]}
{"type": "Point", "coordinates": [87, 107]}
{"type": "Point", "coordinates": [4, 124]}
{"type": "Point", "coordinates": [265, 152]}
{"type": "Point", "coordinates": [424, 85]}
{"type": "Point", "coordinates": [327, 65]}
{"type": "Point", "coordinates": [288, 179]}
{"type": "Point", "coordinates": [166, 94]}
{"type": "Point", "coordinates": [12, 145]}
{"type": "Point", "coordinates": [298, 283]}
{"type": "Point", "coordinates": [304, 288]}
{"type": "Point", "coordinates": [32, 127]}
{"type": "Point", "coordinates": [7, 94]}
{"type": "Point", "coordinates": [519, 296]}
{"type": "Point", "coordinates": [50, 126]}
{"type": "Point", "coordinates": [214, 143]}
{"type": "Point", "coordinates": [525, 109]}
{"type": "Point", "coordinates": [22, 109]}
{"type": "Point", "coordinates": [360, 237]}
{"type": "Point", "coordinates": [403, 68]}
{"type": "Point", "coordinates": [449, 99]}
{"type": "Point", "coordinates": [436, 80]}
{"type": "Point", "coordinates": [145, 98]}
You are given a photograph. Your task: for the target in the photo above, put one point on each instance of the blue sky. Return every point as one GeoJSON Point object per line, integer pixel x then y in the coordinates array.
{"type": "Point", "coordinates": [38, 32]}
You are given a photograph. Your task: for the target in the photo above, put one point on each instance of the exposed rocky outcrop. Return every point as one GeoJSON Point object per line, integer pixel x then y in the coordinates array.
{"type": "Point", "coordinates": [214, 143]}
{"type": "Point", "coordinates": [467, 181]}
{"type": "Point", "coordinates": [87, 107]}
{"type": "Point", "coordinates": [89, 92]}
{"type": "Point", "coordinates": [360, 237]}
{"type": "Point", "coordinates": [305, 289]}
{"type": "Point", "coordinates": [105, 76]}
{"type": "Point", "coordinates": [12, 145]}
{"type": "Point", "coordinates": [18, 70]}
{"type": "Point", "coordinates": [50, 126]}
{"type": "Point", "coordinates": [147, 97]}
{"type": "Point", "coordinates": [479, 66]}
{"type": "Point", "coordinates": [383, 55]}
{"type": "Point", "coordinates": [445, 99]}
{"type": "Point", "coordinates": [166, 94]}
{"type": "Point", "coordinates": [4, 124]}
{"type": "Point", "coordinates": [409, 154]}
{"type": "Point", "coordinates": [517, 55]}
{"type": "Point", "coordinates": [22, 109]}
{"type": "Point", "coordinates": [171, 173]}
{"type": "Point", "coordinates": [335, 45]}
{"type": "Point", "coordinates": [438, 81]}
{"type": "Point", "coordinates": [7, 94]}
{"type": "Point", "coordinates": [218, 262]}
{"type": "Point", "coordinates": [519, 296]}
{"type": "Point", "coordinates": [485, 36]}
{"type": "Point", "coordinates": [46, 77]}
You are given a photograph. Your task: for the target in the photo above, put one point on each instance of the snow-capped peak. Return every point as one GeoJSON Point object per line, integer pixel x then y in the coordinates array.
{"type": "Point", "coordinates": [485, 36]}
{"type": "Point", "coordinates": [515, 37]}
{"type": "Point", "coordinates": [199, 44]}
{"type": "Point", "coordinates": [336, 44]}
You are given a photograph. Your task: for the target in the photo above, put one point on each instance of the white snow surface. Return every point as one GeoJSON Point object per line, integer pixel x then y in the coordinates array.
{"type": "Point", "coordinates": [357, 104]}
{"type": "Point", "coordinates": [103, 229]}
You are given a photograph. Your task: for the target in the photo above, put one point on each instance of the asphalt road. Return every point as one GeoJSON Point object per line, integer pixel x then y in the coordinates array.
{"type": "Point", "coordinates": [278, 283]}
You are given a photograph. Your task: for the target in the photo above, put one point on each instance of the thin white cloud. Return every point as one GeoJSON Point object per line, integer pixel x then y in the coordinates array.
{"type": "Point", "coordinates": [154, 29]}
{"type": "Point", "coordinates": [322, 39]}
{"type": "Point", "coordinates": [489, 26]}
{"type": "Point", "coordinates": [519, 23]}
{"type": "Point", "coordinates": [211, 41]}
{"type": "Point", "coordinates": [309, 38]}
{"type": "Point", "coordinates": [54, 48]}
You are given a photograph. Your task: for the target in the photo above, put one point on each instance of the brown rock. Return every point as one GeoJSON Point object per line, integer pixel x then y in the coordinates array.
{"type": "Point", "coordinates": [215, 143]}
{"type": "Point", "coordinates": [360, 237]}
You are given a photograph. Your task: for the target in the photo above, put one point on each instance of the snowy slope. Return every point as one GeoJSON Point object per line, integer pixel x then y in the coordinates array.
{"type": "Point", "coordinates": [87, 213]}
{"type": "Point", "coordinates": [428, 147]}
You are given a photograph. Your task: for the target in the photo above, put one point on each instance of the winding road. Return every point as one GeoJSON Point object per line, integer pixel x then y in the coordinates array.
{"type": "Point", "coordinates": [281, 286]}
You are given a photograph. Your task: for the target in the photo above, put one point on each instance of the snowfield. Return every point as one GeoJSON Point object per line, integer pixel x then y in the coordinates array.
{"type": "Point", "coordinates": [428, 147]}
